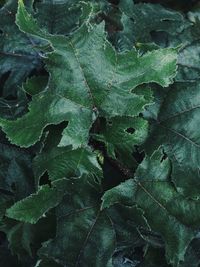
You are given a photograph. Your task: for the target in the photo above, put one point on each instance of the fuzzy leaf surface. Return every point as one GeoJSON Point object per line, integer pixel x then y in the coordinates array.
{"type": "Point", "coordinates": [178, 217]}
{"type": "Point", "coordinates": [96, 81]}
{"type": "Point", "coordinates": [18, 58]}
{"type": "Point", "coordinates": [58, 17]}
{"type": "Point", "coordinates": [146, 23]}
{"type": "Point", "coordinates": [176, 128]}
{"type": "Point", "coordinates": [62, 162]}
{"type": "Point", "coordinates": [90, 237]}
{"type": "Point", "coordinates": [34, 207]}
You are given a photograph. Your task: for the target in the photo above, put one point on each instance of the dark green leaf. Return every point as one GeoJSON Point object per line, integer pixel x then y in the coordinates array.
{"type": "Point", "coordinates": [85, 235]}
{"type": "Point", "coordinates": [176, 128]}
{"type": "Point", "coordinates": [152, 191]}
{"type": "Point", "coordinates": [34, 207]}
{"type": "Point", "coordinates": [18, 58]}
{"type": "Point", "coordinates": [90, 94]}
{"type": "Point", "coordinates": [63, 162]}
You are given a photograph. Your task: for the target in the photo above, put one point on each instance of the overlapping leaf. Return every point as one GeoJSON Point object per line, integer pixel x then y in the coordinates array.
{"type": "Point", "coordinates": [146, 23]}
{"type": "Point", "coordinates": [179, 117]}
{"type": "Point", "coordinates": [62, 162]}
{"type": "Point", "coordinates": [15, 161]}
{"type": "Point", "coordinates": [120, 136]}
{"type": "Point", "coordinates": [176, 128]}
{"type": "Point", "coordinates": [18, 58]}
{"type": "Point", "coordinates": [15, 171]}
{"type": "Point", "coordinates": [58, 17]}
{"type": "Point", "coordinates": [34, 207]}
{"type": "Point", "coordinates": [85, 235]}
{"type": "Point", "coordinates": [25, 238]}
{"type": "Point", "coordinates": [152, 191]}
{"type": "Point", "coordinates": [95, 81]}
{"type": "Point", "coordinates": [91, 96]}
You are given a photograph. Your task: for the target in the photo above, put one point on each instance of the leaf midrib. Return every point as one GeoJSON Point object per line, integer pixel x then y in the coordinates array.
{"type": "Point", "coordinates": [158, 203]}
{"type": "Point", "coordinates": [179, 114]}
{"type": "Point", "coordinates": [181, 135]}
{"type": "Point", "coordinates": [76, 53]}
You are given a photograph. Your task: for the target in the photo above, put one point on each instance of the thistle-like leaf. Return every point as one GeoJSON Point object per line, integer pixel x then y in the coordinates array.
{"type": "Point", "coordinates": [87, 79]}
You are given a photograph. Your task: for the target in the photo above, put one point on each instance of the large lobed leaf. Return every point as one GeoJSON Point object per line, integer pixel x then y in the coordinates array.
{"type": "Point", "coordinates": [96, 81]}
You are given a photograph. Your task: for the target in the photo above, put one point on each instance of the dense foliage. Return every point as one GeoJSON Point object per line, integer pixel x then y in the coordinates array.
{"type": "Point", "coordinates": [100, 136]}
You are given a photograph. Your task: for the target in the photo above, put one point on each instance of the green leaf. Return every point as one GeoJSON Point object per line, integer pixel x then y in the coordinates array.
{"type": "Point", "coordinates": [176, 129]}
{"type": "Point", "coordinates": [153, 192]}
{"type": "Point", "coordinates": [24, 239]}
{"type": "Point", "coordinates": [13, 108]}
{"type": "Point", "coordinates": [18, 58]}
{"type": "Point", "coordinates": [121, 134]}
{"type": "Point", "coordinates": [15, 171]}
{"type": "Point", "coordinates": [59, 17]}
{"type": "Point", "coordinates": [34, 207]}
{"type": "Point", "coordinates": [145, 22]}
{"type": "Point", "coordinates": [188, 61]}
{"type": "Point", "coordinates": [93, 108]}
{"type": "Point", "coordinates": [85, 235]}
{"type": "Point", "coordinates": [189, 53]}
{"type": "Point", "coordinates": [123, 193]}
{"type": "Point", "coordinates": [20, 238]}
{"type": "Point", "coordinates": [125, 221]}
{"type": "Point", "coordinates": [35, 85]}
{"type": "Point", "coordinates": [80, 101]}
{"type": "Point", "coordinates": [62, 162]}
